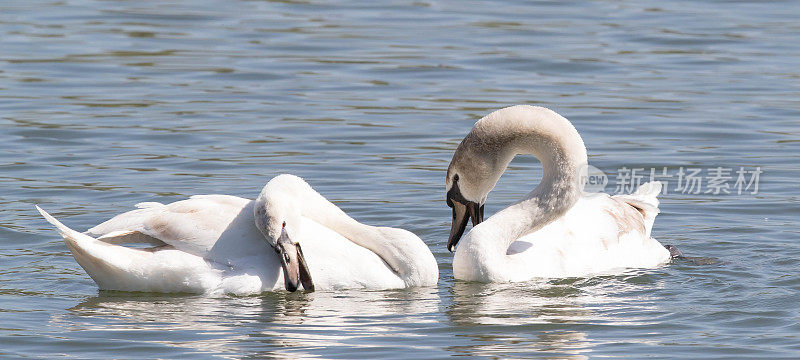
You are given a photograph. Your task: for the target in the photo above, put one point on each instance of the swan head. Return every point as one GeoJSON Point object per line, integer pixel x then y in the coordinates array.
{"type": "Point", "coordinates": [276, 214]}
{"type": "Point", "coordinates": [466, 195]}
{"type": "Point", "coordinates": [478, 162]}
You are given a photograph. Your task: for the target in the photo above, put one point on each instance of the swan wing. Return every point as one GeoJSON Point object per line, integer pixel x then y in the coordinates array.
{"type": "Point", "coordinates": [192, 225]}
{"type": "Point", "coordinates": [598, 234]}
{"type": "Point", "coordinates": [129, 237]}
{"type": "Point", "coordinates": [115, 267]}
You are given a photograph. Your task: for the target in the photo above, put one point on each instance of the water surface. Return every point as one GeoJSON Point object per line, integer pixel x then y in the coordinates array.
{"type": "Point", "coordinates": [104, 104]}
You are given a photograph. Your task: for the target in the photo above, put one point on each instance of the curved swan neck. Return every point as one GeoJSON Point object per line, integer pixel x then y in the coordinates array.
{"type": "Point", "coordinates": [319, 209]}
{"type": "Point", "coordinates": [401, 250]}
{"type": "Point", "coordinates": [497, 138]}
{"type": "Point", "coordinates": [491, 145]}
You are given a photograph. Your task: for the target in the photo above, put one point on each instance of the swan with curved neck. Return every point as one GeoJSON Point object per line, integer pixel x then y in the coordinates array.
{"type": "Point", "coordinates": [553, 231]}
{"type": "Point", "coordinates": [290, 236]}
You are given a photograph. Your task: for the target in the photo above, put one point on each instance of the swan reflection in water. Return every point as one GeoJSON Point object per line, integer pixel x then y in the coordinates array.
{"type": "Point", "coordinates": [563, 318]}
{"type": "Point", "coordinates": [556, 317]}
{"type": "Point", "coordinates": [275, 324]}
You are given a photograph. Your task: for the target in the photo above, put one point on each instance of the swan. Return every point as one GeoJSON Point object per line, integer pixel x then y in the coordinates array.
{"type": "Point", "coordinates": [289, 236]}
{"type": "Point", "coordinates": [556, 230]}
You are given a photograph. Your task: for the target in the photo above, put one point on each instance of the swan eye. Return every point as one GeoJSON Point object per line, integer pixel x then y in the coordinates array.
{"type": "Point", "coordinates": [284, 224]}
{"type": "Point", "coordinates": [455, 177]}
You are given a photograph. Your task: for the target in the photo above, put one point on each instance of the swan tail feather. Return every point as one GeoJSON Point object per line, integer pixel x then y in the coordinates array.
{"type": "Point", "coordinates": [148, 204]}
{"type": "Point", "coordinates": [648, 192]}
{"type": "Point", "coordinates": [645, 200]}
{"type": "Point", "coordinates": [115, 267]}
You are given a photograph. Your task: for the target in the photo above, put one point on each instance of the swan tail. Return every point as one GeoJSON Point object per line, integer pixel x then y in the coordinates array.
{"type": "Point", "coordinates": [114, 267]}
{"type": "Point", "coordinates": [648, 192]}
{"type": "Point", "coordinates": [645, 200]}
{"type": "Point", "coordinates": [148, 204]}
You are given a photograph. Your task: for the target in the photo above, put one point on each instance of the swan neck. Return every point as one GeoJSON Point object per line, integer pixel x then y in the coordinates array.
{"type": "Point", "coordinates": [331, 216]}
{"type": "Point", "coordinates": [559, 148]}
{"type": "Point", "coordinates": [526, 130]}
{"type": "Point", "coordinates": [288, 199]}
{"type": "Point", "coordinates": [398, 254]}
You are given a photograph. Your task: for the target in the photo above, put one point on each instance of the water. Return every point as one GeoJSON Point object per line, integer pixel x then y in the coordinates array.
{"type": "Point", "coordinates": [104, 104]}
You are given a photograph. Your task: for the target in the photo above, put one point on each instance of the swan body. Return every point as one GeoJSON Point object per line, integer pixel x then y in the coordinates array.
{"type": "Point", "coordinates": [220, 243]}
{"type": "Point", "coordinates": [557, 230]}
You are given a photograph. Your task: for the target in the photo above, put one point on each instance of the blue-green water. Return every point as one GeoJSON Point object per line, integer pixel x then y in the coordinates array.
{"type": "Point", "coordinates": [104, 104]}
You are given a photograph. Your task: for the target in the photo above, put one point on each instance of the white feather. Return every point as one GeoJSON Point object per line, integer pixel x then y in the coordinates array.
{"type": "Point", "coordinates": [556, 230]}
{"type": "Point", "coordinates": [210, 243]}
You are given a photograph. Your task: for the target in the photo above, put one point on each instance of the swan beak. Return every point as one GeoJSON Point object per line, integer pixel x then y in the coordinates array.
{"type": "Point", "coordinates": [461, 214]}
{"type": "Point", "coordinates": [295, 269]}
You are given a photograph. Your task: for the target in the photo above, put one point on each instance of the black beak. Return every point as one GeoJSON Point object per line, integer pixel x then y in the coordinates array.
{"type": "Point", "coordinates": [463, 210]}
{"type": "Point", "coordinates": [295, 269]}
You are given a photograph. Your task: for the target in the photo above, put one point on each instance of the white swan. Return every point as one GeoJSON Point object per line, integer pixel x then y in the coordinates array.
{"type": "Point", "coordinates": [220, 243]}
{"type": "Point", "coordinates": [554, 231]}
